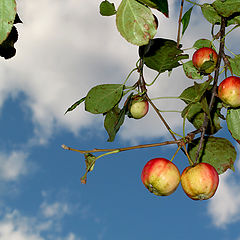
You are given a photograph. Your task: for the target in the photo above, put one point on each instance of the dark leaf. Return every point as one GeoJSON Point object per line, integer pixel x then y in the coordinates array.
{"type": "Point", "coordinates": [7, 49]}
{"type": "Point", "coordinates": [219, 152]}
{"type": "Point", "coordinates": [160, 5]}
{"type": "Point", "coordinates": [75, 105]}
{"type": "Point", "coordinates": [161, 54]}
{"type": "Point", "coordinates": [107, 8]}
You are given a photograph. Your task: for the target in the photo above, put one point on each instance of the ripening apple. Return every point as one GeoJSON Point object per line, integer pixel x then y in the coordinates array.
{"type": "Point", "coordinates": [205, 60]}
{"type": "Point", "coordinates": [138, 107]}
{"type": "Point", "coordinates": [200, 182]}
{"type": "Point", "coordinates": [229, 91]}
{"type": "Point", "coordinates": [160, 176]}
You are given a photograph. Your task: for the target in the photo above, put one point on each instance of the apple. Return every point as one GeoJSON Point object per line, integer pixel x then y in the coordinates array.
{"type": "Point", "coordinates": [200, 181]}
{"type": "Point", "coordinates": [138, 107]}
{"type": "Point", "coordinates": [205, 60]}
{"type": "Point", "coordinates": [160, 176]}
{"type": "Point", "coordinates": [229, 91]}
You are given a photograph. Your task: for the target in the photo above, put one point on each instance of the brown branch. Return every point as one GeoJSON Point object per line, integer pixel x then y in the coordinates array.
{"type": "Point", "coordinates": [214, 89]}
{"type": "Point", "coordinates": [122, 149]}
{"type": "Point", "coordinates": [179, 24]}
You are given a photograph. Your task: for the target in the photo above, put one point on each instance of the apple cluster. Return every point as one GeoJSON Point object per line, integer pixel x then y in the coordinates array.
{"type": "Point", "coordinates": [162, 177]}
{"type": "Point", "coordinates": [205, 60]}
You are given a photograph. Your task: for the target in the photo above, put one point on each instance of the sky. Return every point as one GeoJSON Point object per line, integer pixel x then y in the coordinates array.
{"type": "Point", "coordinates": [64, 49]}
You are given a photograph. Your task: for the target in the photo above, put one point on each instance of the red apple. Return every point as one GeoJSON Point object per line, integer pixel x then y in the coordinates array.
{"type": "Point", "coordinates": [160, 176]}
{"type": "Point", "coordinates": [205, 60]}
{"type": "Point", "coordinates": [200, 182]}
{"type": "Point", "coordinates": [138, 107]}
{"type": "Point", "coordinates": [229, 91]}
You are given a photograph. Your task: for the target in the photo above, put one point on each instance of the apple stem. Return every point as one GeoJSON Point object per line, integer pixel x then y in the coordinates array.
{"type": "Point", "coordinates": [179, 147]}
{"type": "Point", "coordinates": [129, 75]}
{"type": "Point", "coordinates": [154, 80]}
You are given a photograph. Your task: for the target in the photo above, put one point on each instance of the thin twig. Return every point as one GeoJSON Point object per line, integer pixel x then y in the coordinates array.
{"type": "Point", "coordinates": [179, 24]}
{"type": "Point", "coordinates": [121, 149]}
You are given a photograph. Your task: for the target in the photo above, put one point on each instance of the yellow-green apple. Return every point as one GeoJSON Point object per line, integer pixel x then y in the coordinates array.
{"type": "Point", "coordinates": [200, 181]}
{"type": "Point", "coordinates": [138, 107]}
{"type": "Point", "coordinates": [205, 60]}
{"type": "Point", "coordinates": [160, 176]}
{"type": "Point", "coordinates": [229, 91]}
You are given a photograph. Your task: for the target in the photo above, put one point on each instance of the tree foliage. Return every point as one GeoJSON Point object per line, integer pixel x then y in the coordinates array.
{"type": "Point", "coordinates": [138, 25]}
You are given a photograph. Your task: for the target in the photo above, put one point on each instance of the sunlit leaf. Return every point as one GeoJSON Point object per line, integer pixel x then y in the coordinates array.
{"type": "Point", "coordinates": [135, 22]}
{"type": "Point", "coordinates": [200, 43]}
{"type": "Point", "coordinates": [191, 71]}
{"type": "Point", "coordinates": [233, 119]}
{"type": "Point", "coordinates": [210, 14]}
{"type": "Point", "coordinates": [235, 64]}
{"type": "Point", "coordinates": [226, 8]}
{"type": "Point", "coordinates": [7, 16]}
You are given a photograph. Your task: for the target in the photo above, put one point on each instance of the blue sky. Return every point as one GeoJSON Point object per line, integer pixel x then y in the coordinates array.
{"type": "Point", "coordinates": [64, 49]}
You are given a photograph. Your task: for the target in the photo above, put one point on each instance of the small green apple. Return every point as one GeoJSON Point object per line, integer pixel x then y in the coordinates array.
{"type": "Point", "coordinates": [138, 107]}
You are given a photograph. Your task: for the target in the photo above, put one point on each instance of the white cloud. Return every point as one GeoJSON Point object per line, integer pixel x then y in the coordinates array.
{"type": "Point", "coordinates": [71, 236]}
{"type": "Point", "coordinates": [13, 165]}
{"type": "Point", "coordinates": [15, 227]}
{"type": "Point", "coordinates": [224, 207]}
{"type": "Point", "coordinates": [64, 49]}
{"type": "Point", "coordinates": [55, 210]}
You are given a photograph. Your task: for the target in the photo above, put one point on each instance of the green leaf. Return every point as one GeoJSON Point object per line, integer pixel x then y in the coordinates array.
{"type": "Point", "coordinates": [195, 115]}
{"type": "Point", "coordinates": [161, 54]}
{"type": "Point", "coordinates": [233, 20]}
{"type": "Point", "coordinates": [191, 71]}
{"type": "Point", "coordinates": [102, 98]}
{"type": "Point", "coordinates": [219, 152]}
{"type": "Point", "coordinates": [107, 8]}
{"type": "Point", "coordinates": [75, 105]}
{"type": "Point", "coordinates": [160, 5]}
{"type": "Point", "coordinates": [194, 93]}
{"type": "Point", "coordinates": [210, 14]}
{"type": "Point", "coordinates": [214, 18]}
{"type": "Point", "coordinates": [233, 119]}
{"type": "Point", "coordinates": [235, 64]}
{"type": "Point", "coordinates": [135, 22]}
{"type": "Point", "coordinates": [7, 16]}
{"type": "Point", "coordinates": [186, 19]}
{"type": "Point", "coordinates": [200, 43]}
{"type": "Point", "coordinates": [7, 49]}
{"type": "Point", "coordinates": [113, 121]}
{"type": "Point", "coordinates": [226, 8]}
